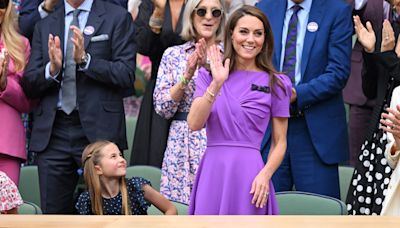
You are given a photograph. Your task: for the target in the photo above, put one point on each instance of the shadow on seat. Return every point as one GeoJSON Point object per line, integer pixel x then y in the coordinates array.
{"type": "Point", "coordinates": [304, 203]}
{"type": "Point", "coordinates": [151, 173]}
{"type": "Point", "coordinates": [29, 184]}
{"type": "Point", "coordinates": [29, 208]}
{"type": "Point", "coordinates": [345, 176]}
{"type": "Point", "coordinates": [130, 132]}
{"type": "Point", "coordinates": [181, 208]}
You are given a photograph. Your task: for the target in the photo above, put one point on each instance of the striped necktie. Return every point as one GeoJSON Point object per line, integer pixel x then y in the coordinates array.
{"type": "Point", "coordinates": [289, 61]}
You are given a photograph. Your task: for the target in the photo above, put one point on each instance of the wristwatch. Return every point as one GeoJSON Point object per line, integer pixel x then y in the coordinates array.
{"type": "Point", "coordinates": [84, 60]}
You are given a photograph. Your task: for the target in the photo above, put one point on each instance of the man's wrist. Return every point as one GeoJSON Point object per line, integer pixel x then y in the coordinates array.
{"type": "Point", "coordinates": [47, 7]}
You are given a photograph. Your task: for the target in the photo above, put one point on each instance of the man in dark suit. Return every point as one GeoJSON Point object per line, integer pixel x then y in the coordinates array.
{"type": "Point", "coordinates": [79, 103]}
{"type": "Point", "coordinates": [317, 132]}
{"type": "Point", "coordinates": [360, 107]}
{"type": "Point", "coordinates": [32, 11]}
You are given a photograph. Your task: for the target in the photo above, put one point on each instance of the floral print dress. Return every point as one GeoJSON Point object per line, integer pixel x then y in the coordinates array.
{"type": "Point", "coordinates": [9, 195]}
{"type": "Point", "coordinates": [184, 147]}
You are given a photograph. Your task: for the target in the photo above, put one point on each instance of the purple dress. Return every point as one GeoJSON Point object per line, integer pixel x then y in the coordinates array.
{"type": "Point", "coordinates": [235, 128]}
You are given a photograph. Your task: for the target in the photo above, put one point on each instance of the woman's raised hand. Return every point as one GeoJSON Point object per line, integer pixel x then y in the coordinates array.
{"type": "Point", "coordinates": [366, 36]}
{"type": "Point", "coordinates": [219, 70]}
{"type": "Point", "coordinates": [201, 49]}
{"type": "Point", "coordinates": [388, 39]}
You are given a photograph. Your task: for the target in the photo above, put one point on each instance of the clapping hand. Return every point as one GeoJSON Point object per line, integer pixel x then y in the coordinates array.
{"type": "Point", "coordinates": [366, 36]}
{"type": "Point", "coordinates": [219, 72]}
{"type": "Point", "coordinates": [55, 54]}
{"type": "Point", "coordinates": [391, 123]}
{"type": "Point", "coordinates": [4, 59]}
{"type": "Point", "coordinates": [201, 49]}
{"type": "Point", "coordinates": [388, 39]}
{"type": "Point", "coordinates": [78, 41]}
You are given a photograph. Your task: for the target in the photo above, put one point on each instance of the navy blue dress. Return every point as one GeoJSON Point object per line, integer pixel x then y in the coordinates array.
{"type": "Point", "coordinates": [113, 206]}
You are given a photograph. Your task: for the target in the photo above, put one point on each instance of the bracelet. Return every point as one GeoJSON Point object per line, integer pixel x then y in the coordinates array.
{"type": "Point", "coordinates": [156, 22]}
{"type": "Point", "coordinates": [183, 80]}
{"type": "Point", "coordinates": [208, 99]}
{"type": "Point", "coordinates": [210, 93]}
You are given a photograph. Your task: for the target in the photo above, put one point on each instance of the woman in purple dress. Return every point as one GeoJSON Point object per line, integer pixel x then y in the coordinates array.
{"type": "Point", "coordinates": [235, 102]}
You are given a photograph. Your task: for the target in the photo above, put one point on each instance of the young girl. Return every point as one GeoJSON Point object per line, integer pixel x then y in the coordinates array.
{"type": "Point", "coordinates": [109, 192]}
{"type": "Point", "coordinates": [10, 198]}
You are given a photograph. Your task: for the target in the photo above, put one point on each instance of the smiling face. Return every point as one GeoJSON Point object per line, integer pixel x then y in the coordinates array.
{"type": "Point", "coordinates": [111, 164]}
{"type": "Point", "coordinates": [207, 18]}
{"type": "Point", "coordinates": [248, 38]}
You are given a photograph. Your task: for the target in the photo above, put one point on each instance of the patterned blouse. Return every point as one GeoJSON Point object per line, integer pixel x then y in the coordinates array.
{"type": "Point", "coordinates": [184, 147]}
{"type": "Point", "coordinates": [113, 206]}
{"type": "Point", "coordinates": [9, 195]}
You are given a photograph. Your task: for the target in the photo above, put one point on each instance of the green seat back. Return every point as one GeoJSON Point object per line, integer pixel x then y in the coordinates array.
{"type": "Point", "coordinates": [153, 174]}
{"type": "Point", "coordinates": [304, 203]}
{"type": "Point", "coordinates": [29, 184]}
{"type": "Point", "coordinates": [345, 176]}
{"type": "Point", "coordinates": [130, 131]}
{"type": "Point", "coordinates": [29, 208]}
{"type": "Point", "coordinates": [180, 207]}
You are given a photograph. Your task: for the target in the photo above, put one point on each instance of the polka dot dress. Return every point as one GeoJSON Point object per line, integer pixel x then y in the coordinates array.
{"type": "Point", "coordinates": [371, 176]}
{"type": "Point", "coordinates": [113, 206]}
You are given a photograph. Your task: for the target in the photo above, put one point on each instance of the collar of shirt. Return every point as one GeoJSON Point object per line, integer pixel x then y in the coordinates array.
{"type": "Point", "coordinates": [305, 5]}
{"type": "Point", "coordinates": [85, 6]}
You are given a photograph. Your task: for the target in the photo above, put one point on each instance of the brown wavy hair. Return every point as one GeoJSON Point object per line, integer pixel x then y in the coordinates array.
{"type": "Point", "coordinates": [264, 58]}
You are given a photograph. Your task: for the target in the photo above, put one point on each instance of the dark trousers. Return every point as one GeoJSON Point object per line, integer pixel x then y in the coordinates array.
{"type": "Point", "coordinates": [302, 166]}
{"type": "Point", "coordinates": [58, 164]}
{"type": "Point", "coordinates": [359, 120]}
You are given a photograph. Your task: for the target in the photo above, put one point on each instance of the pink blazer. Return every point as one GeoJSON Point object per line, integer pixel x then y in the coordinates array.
{"type": "Point", "coordinates": [13, 102]}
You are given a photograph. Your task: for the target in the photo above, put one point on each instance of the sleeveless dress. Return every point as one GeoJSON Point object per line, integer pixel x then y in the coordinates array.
{"type": "Point", "coordinates": [235, 128]}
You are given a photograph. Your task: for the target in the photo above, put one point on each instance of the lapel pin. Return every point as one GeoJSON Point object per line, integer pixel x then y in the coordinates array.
{"type": "Point", "coordinates": [312, 26]}
{"type": "Point", "coordinates": [89, 30]}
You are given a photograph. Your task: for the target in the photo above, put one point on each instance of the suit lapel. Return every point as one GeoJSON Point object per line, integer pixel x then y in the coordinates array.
{"type": "Point", "coordinates": [277, 21]}
{"type": "Point", "coordinates": [316, 16]}
{"type": "Point", "coordinates": [94, 20]}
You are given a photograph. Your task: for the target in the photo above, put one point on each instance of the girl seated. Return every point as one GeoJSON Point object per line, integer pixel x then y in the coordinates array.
{"type": "Point", "coordinates": [10, 199]}
{"type": "Point", "coordinates": [109, 192]}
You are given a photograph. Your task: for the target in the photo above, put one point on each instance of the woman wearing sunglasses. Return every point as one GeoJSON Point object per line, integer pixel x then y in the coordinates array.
{"type": "Point", "coordinates": [14, 53]}
{"type": "Point", "coordinates": [203, 22]}
{"type": "Point", "coordinates": [235, 101]}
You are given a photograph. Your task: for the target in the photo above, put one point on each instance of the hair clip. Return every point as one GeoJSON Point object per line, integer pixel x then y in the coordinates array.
{"type": "Point", "coordinates": [264, 89]}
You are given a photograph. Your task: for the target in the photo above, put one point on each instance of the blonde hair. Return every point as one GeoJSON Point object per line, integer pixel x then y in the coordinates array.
{"type": "Point", "coordinates": [91, 157]}
{"type": "Point", "coordinates": [188, 30]}
{"type": "Point", "coordinates": [12, 39]}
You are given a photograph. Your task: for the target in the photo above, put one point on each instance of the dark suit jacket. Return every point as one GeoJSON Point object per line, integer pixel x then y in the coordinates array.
{"type": "Point", "coordinates": [29, 14]}
{"type": "Point", "coordinates": [353, 93]}
{"type": "Point", "coordinates": [99, 88]}
{"type": "Point", "coordinates": [325, 67]}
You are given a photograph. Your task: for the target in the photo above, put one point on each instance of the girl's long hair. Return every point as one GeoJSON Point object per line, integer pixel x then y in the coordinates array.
{"type": "Point", "coordinates": [91, 157]}
{"type": "Point", "coordinates": [12, 40]}
{"type": "Point", "coordinates": [264, 58]}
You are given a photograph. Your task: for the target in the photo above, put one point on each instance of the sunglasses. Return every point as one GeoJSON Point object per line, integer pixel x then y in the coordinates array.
{"type": "Point", "coordinates": [201, 12]}
{"type": "Point", "coordinates": [3, 4]}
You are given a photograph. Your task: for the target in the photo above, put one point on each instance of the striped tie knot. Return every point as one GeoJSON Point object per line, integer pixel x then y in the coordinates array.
{"type": "Point", "coordinates": [289, 61]}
